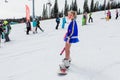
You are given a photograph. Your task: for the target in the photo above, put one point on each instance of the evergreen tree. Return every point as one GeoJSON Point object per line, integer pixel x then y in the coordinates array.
{"type": "Point", "coordinates": [79, 11]}
{"type": "Point", "coordinates": [56, 10]}
{"type": "Point", "coordinates": [108, 5]}
{"type": "Point", "coordinates": [66, 8]}
{"type": "Point", "coordinates": [96, 7]}
{"type": "Point", "coordinates": [44, 11]}
{"type": "Point", "coordinates": [85, 6]}
{"type": "Point", "coordinates": [52, 13]}
{"type": "Point", "coordinates": [46, 14]}
{"type": "Point", "coordinates": [74, 8]}
{"type": "Point", "coordinates": [92, 6]}
{"type": "Point", "coordinates": [114, 5]}
{"type": "Point", "coordinates": [104, 5]}
{"type": "Point", "coordinates": [61, 13]}
{"type": "Point", "coordinates": [71, 6]}
{"type": "Point", "coordinates": [118, 5]}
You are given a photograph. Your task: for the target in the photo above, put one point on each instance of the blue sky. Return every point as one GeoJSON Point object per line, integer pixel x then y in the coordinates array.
{"type": "Point", "coordinates": [16, 8]}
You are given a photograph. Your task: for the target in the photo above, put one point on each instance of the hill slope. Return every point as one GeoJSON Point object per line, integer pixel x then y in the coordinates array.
{"type": "Point", "coordinates": [36, 57]}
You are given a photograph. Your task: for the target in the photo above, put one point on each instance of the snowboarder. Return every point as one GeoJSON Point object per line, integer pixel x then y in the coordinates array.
{"type": "Point", "coordinates": [90, 17]}
{"type": "Point", "coordinates": [71, 37]}
{"type": "Point", "coordinates": [6, 28]}
{"type": "Point", "coordinates": [63, 22]}
{"type": "Point", "coordinates": [28, 26]}
{"type": "Point", "coordinates": [38, 26]}
{"type": "Point", "coordinates": [58, 22]}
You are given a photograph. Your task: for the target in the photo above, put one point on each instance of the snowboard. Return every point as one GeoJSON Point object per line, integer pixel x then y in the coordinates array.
{"type": "Point", "coordinates": [62, 72]}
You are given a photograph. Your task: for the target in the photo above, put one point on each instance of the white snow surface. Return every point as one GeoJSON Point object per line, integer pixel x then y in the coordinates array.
{"type": "Point", "coordinates": [36, 56]}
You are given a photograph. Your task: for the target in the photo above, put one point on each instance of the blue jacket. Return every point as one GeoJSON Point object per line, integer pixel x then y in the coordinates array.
{"type": "Point", "coordinates": [72, 32]}
{"type": "Point", "coordinates": [34, 23]}
{"type": "Point", "coordinates": [58, 20]}
{"type": "Point", "coordinates": [64, 20]}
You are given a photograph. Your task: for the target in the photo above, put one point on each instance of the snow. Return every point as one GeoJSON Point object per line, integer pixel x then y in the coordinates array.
{"type": "Point", "coordinates": [36, 56]}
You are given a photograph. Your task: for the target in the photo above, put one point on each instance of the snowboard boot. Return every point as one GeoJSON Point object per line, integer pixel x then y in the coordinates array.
{"type": "Point", "coordinates": [66, 62]}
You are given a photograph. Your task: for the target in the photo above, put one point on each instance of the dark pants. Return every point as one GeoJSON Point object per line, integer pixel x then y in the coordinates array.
{"type": "Point", "coordinates": [7, 38]}
{"type": "Point", "coordinates": [57, 25]}
{"type": "Point", "coordinates": [116, 16]}
{"type": "Point", "coordinates": [90, 19]}
{"type": "Point", "coordinates": [39, 28]}
{"type": "Point", "coordinates": [28, 29]}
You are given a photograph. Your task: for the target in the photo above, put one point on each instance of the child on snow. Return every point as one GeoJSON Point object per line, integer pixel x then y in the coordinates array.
{"type": "Point", "coordinates": [34, 26]}
{"type": "Point", "coordinates": [84, 19]}
{"type": "Point", "coordinates": [38, 26]}
{"type": "Point", "coordinates": [58, 22]}
{"type": "Point", "coordinates": [71, 37]}
{"type": "Point", "coordinates": [117, 14]}
{"type": "Point", "coordinates": [90, 17]}
{"type": "Point", "coordinates": [63, 22]}
{"type": "Point", "coordinates": [6, 29]}
{"type": "Point", "coordinates": [108, 15]}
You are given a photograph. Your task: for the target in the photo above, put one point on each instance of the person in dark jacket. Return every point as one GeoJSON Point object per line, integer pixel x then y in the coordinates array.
{"type": "Point", "coordinates": [58, 22]}
{"type": "Point", "coordinates": [38, 26]}
{"type": "Point", "coordinates": [28, 26]}
{"type": "Point", "coordinates": [117, 14]}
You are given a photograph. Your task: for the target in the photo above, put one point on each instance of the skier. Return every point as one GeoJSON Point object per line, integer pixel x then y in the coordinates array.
{"type": "Point", "coordinates": [116, 14]}
{"type": "Point", "coordinates": [58, 22]}
{"type": "Point", "coordinates": [6, 28]}
{"type": "Point", "coordinates": [90, 17]}
{"type": "Point", "coordinates": [70, 37]}
{"type": "Point", "coordinates": [28, 26]}
{"type": "Point", "coordinates": [38, 26]}
{"type": "Point", "coordinates": [63, 22]}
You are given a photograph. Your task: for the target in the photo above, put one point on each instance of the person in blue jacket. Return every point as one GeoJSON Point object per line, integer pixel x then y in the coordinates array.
{"type": "Point", "coordinates": [63, 22]}
{"type": "Point", "coordinates": [34, 26]}
{"type": "Point", "coordinates": [70, 38]}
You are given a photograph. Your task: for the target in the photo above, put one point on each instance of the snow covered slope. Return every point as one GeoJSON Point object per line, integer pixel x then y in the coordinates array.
{"type": "Point", "coordinates": [36, 56]}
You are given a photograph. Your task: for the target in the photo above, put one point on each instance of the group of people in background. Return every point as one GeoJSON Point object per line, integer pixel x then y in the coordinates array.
{"type": "Point", "coordinates": [36, 24]}
{"type": "Point", "coordinates": [108, 17]}
{"type": "Point", "coordinates": [5, 29]}
{"type": "Point", "coordinates": [58, 22]}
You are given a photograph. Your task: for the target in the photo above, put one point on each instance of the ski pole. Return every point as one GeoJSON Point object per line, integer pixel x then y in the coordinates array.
{"type": "Point", "coordinates": [62, 51]}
